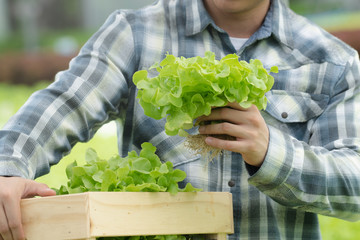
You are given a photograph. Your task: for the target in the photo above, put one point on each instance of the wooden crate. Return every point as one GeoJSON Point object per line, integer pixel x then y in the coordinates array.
{"type": "Point", "coordinates": [103, 214]}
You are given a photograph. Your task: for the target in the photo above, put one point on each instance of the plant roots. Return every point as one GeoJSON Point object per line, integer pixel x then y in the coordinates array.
{"type": "Point", "coordinates": [196, 143]}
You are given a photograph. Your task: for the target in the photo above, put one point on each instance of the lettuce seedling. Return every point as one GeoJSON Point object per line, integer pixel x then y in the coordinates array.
{"type": "Point", "coordinates": [187, 88]}
{"type": "Point", "coordinates": [143, 172]}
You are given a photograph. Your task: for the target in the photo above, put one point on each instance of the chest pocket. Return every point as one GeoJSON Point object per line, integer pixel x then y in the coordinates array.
{"type": "Point", "coordinates": [294, 112]}
{"type": "Point", "coordinates": [295, 107]}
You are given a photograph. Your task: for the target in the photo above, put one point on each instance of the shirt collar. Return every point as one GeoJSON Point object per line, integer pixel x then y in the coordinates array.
{"type": "Point", "coordinates": [197, 18]}
{"type": "Point", "coordinates": [277, 21]}
{"type": "Point", "coordinates": [282, 22]}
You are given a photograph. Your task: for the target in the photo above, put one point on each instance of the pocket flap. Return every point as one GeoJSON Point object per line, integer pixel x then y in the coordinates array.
{"type": "Point", "coordinates": [294, 107]}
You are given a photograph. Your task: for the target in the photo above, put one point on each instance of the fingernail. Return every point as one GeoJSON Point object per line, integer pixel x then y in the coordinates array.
{"type": "Point", "coordinates": [208, 140]}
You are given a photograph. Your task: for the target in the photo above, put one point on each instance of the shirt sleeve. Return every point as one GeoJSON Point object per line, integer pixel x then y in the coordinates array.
{"type": "Point", "coordinates": [322, 175]}
{"type": "Point", "coordinates": [81, 99]}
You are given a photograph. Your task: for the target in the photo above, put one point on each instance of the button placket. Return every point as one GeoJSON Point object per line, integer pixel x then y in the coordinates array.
{"type": "Point", "coordinates": [231, 183]}
{"type": "Point", "coordinates": [226, 176]}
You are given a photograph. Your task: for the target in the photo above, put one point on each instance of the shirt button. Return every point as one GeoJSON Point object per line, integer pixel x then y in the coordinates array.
{"type": "Point", "coordinates": [284, 115]}
{"type": "Point", "coordinates": [231, 183]}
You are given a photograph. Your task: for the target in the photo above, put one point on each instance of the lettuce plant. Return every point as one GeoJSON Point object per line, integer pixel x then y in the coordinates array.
{"type": "Point", "coordinates": [186, 88]}
{"type": "Point", "coordinates": [143, 172]}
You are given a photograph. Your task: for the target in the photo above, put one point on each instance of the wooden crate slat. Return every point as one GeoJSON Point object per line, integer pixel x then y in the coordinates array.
{"type": "Point", "coordinates": [56, 218]}
{"type": "Point", "coordinates": [160, 213]}
{"type": "Point", "coordinates": [95, 214]}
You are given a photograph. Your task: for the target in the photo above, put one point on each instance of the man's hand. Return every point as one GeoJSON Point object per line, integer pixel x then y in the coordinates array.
{"type": "Point", "coordinates": [12, 190]}
{"type": "Point", "coordinates": [246, 125]}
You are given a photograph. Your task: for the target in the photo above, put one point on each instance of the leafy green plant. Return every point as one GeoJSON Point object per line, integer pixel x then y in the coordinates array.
{"type": "Point", "coordinates": [158, 237]}
{"type": "Point", "coordinates": [143, 172]}
{"type": "Point", "coordinates": [186, 88]}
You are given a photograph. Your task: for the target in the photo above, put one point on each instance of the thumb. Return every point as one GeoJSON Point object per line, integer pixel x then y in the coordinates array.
{"type": "Point", "coordinates": [33, 188]}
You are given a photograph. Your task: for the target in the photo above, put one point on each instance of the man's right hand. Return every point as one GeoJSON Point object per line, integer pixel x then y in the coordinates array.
{"type": "Point", "coordinates": [12, 190]}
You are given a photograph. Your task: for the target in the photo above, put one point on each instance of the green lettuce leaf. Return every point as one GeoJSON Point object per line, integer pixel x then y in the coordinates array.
{"type": "Point", "coordinates": [186, 88]}
{"type": "Point", "coordinates": [143, 172]}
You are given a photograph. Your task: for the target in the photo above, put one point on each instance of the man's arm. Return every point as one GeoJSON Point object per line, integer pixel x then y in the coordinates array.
{"type": "Point", "coordinates": [70, 110]}
{"type": "Point", "coordinates": [82, 99]}
{"type": "Point", "coordinates": [321, 175]}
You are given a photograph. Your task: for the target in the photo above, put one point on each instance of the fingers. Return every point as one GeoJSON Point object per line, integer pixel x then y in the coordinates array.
{"type": "Point", "coordinates": [10, 217]}
{"type": "Point", "coordinates": [234, 113]}
{"type": "Point", "coordinates": [33, 188]}
{"type": "Point", "coordinates": [237, 131]}
{"type": "Point", "coordinates": [12, 190]}
{"type": "Point", "coordinates": [46, 192]}
{"type": "Point", "coordinates": [10, 220]}
{"type": "Point", "coordinates": [5, 232]}
{"type": "Point", "coordinates": [233, 122]}
{"type": "Point", "coordinates": [237, 106]}
{"type": "Point", "coordinates": [253, 152]}
{"type": "Point", "coordinates": [246, 125]}
{"type": "Point", "coordinates": [245, 137]}
{"type": "Point", "coordinates": [13, 215]}
{"type": "Point", "coordinates": [230, 145]}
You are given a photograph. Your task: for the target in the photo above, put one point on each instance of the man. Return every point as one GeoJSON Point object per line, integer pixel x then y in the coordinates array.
{"type": "Point", "coordinates": [297, 159]}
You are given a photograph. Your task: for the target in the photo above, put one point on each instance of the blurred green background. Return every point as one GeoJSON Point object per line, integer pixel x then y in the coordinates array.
{"type": "Point", "coordinates": [39, 37]}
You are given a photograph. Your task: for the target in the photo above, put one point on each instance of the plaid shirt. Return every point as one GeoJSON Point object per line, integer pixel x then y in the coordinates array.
{"type": "Point", "coordinates": [312, 165]}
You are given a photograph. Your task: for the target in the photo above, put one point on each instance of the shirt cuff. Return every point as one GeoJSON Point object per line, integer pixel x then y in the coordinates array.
{"type": "Point", "coordinates": [9, 168]}
{"type": "Point", "coordinates": [277, 164]}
